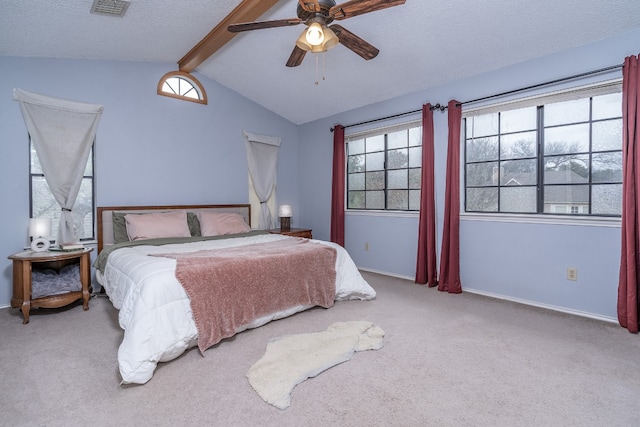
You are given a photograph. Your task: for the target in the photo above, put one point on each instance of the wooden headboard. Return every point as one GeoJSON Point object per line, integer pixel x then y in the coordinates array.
{"type": "Point", "coordinates": [105, 217]}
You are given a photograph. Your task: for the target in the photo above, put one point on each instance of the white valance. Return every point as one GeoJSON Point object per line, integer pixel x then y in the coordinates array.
{"type": "Point", "coordinates": [264, 139]}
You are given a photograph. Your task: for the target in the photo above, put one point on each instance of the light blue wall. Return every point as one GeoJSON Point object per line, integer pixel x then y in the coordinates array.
{"type": "Point", "coordinates": [519, 261]}
{"type": "Point", "coordinates": [150, 149]}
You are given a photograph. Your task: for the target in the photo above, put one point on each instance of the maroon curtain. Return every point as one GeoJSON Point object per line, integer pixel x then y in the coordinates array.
{"type": "Point", "coordinates": [337, 187]}
{"type": "Point", "coordinates": [450, 256]}
{"type": "Point", "coordinates": [630, 256]}
{"type": "Point", "coordinates": [426, 269]}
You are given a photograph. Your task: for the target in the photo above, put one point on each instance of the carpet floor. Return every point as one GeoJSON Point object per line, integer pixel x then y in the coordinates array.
{"type": "Point", "coordinates": [447, 360]}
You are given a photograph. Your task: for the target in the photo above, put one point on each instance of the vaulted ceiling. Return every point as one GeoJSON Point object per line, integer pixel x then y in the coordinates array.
{"type": "Point", "coordinates": [423, 43]}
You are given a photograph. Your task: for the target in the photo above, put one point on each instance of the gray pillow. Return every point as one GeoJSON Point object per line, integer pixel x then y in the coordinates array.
{"type": "Point", "coordinates": [119, 227]}
{"type": "Point", "coordinates": [194, 224]}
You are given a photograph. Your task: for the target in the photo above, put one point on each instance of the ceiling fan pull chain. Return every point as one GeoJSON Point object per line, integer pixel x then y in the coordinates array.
{"type": "Point", "coordinates": [318, 71]}
{"type": "Point", "coordinates": [323, 66]}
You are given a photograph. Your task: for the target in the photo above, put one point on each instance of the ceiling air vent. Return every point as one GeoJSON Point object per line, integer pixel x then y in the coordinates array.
{"type": "Point", "coordinates": [110, 7]}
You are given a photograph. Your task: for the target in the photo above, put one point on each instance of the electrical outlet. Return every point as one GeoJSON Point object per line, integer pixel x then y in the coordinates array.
{"type": "Point", "coordinates": [366, 246]}
{"type": "Point", "coordinates": [572, 273]}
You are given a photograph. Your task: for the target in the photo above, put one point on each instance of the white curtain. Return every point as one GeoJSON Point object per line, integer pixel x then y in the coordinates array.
{"type": "Point", "coordinates": [262, 157]}
{"type": "Point", "coordinates": [62, 133]}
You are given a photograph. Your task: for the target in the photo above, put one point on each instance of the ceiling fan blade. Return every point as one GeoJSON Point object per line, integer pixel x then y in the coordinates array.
{"type": "Point", "coordinates": [258, 25]}
{"type": "Point", "coordinates": [355, 43]}
{"type": "Point", "coordinates": [296, 57]}
{"type": "Point", "coordinates": [310, 5]}
{"type": "Point", "coordinates": [358, 7]}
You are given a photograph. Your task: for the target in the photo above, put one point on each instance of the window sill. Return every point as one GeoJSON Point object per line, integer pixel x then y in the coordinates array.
{"type": "Point", "coordinates": [397, 214]}
{"type": "Point", "coordinates": [543, 219]}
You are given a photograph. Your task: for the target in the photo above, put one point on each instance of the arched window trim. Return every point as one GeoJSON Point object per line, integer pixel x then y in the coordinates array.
{"type": "Point", "coordinates": [188, 77]}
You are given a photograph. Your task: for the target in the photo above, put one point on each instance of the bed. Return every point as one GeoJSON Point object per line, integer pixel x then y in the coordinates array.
{"type": "Point", "coordinates": [179, 286]}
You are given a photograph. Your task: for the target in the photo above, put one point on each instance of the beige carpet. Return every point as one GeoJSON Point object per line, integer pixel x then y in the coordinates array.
{"type": "Point", "coordinates": [292, 359]}
{"type": "Point", "coordinates": [447, 360]}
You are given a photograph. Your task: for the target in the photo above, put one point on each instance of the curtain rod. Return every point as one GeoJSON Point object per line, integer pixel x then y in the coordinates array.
{"type": "Point", "coordinates": [444, 107]}
{"type": "Point", "coordinates": [433, 107]}
{"type": "Point", "coordinates": [560, 80]}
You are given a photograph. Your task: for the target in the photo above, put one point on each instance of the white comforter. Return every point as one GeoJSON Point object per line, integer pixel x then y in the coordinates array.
{"type": "Point", "coordinates": [155, 312]}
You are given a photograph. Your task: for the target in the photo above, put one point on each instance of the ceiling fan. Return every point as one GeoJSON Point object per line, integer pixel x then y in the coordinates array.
{"type": "Point", "coordinates": [319, 36]}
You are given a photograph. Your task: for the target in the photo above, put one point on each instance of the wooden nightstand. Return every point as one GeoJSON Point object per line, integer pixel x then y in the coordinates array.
{"type": "Point", "coordinates": [296, 232]}
{"type": "Point", "coordinates": [25, 262]}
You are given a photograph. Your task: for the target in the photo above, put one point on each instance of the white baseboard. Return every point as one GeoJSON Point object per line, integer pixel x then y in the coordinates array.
{"type": "Point", "coordinates": [508, 298]}
{"type": "Point", "coordinates": [384, 273]}
{"type": "Point", "coordinates": [541, 305]}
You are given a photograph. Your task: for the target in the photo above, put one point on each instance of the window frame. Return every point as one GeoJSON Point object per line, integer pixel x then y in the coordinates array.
{"type": "Point", "coordinates": [539, 102]}
{"type": "Point", "coordinates": [195, 83]}
{"type": "Point", "coordinates": [92, 177]}
{"type": "Point", "coordinates": [384, 132]}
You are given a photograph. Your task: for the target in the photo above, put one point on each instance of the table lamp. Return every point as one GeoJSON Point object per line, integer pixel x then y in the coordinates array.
{"type": "Point", "coordinates": [285, 213]}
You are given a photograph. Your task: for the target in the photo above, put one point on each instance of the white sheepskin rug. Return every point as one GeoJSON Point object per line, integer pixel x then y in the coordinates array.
{"type": "Point", "coordinates": [291, 359]}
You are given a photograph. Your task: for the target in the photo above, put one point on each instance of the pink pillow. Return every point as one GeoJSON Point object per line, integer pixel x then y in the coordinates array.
{"type": "Point", "coordinates": [216, 224]}
{"type": "Point", "coordinates": [155, 225]}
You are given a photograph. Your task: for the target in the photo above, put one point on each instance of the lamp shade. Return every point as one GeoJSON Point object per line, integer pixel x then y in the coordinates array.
{"type": "Point", "coordinates": [285, 211]}
{"type": "Point", "coordinates": [40, 227]}
{"type": "Point", "coordinates": [40, 230]}
{"type": "Point", "coordinates": [330, 39]}
{"type": "Point", "coordinates": [302, 42]}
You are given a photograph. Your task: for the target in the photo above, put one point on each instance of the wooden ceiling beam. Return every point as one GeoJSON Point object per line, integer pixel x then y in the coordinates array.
{"type": "Point", "coordinates": [247, 11]}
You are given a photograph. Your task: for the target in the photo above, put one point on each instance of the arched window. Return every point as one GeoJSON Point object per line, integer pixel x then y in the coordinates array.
{"type": "Point", "coordinates": [181, 85]}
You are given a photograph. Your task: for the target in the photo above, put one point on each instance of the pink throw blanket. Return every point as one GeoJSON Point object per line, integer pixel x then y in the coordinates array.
{"type": "Point", "coordinates": [231, 287]}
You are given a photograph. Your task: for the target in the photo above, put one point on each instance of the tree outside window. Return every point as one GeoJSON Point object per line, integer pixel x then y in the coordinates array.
{"type": "Point", "coordinates": [556, 158]}
{"type": "Point", "coordinates": [384, 169]}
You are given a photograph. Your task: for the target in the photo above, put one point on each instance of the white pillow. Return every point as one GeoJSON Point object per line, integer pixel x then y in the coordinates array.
{"type": "Point", "coordinates": [217, 224]}
{"type": "Point", "coordinates": [156, 225]}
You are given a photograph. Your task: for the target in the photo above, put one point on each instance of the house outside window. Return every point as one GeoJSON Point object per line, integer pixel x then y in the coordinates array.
{"type": "Point", "coordinates": [559, 154]}
{"type": "Point", "coordinates": [44, 205]}
{"type": "Point", "coordinates": [384, 169]}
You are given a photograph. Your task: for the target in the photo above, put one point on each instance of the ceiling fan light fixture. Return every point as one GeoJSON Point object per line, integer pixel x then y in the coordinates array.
{"type": "Point", "coordinates": [302, 42]}
{"type": "Point", "coordinates": [330, 39]}
{"type": "Point", "coordinates": [315, 35]}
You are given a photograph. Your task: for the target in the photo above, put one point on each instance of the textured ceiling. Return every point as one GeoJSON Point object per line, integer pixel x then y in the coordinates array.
{"type": "Point", "coordinates": [423, 43]}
